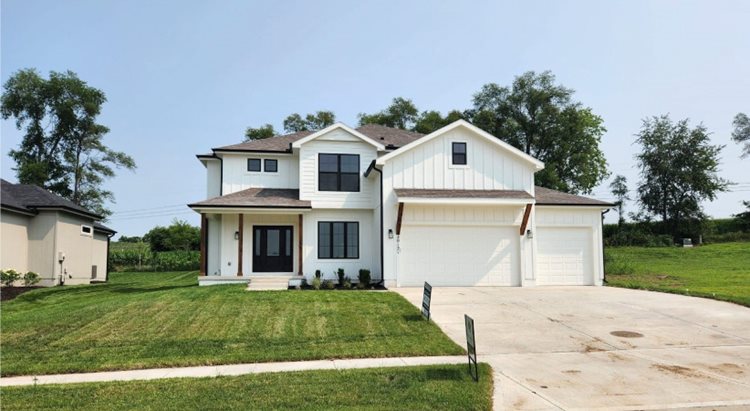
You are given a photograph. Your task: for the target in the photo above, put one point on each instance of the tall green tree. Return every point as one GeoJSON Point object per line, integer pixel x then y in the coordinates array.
{"type": "Point", "coordinates": [401, 113]}
{"type": "Point", "coordinates": [540, 118]}
{"type": "Point", "coordinates": [294, 122]}
{"type": "Point", "coordinates": [741, 132]}
{"type": "Point", "coordinates": [619, 188]}
{"type": "Point", "coordinates": [62, 149]}
{"type": "Point", "coordinates": [259, 133]}
{"type": "Point", "coordinates": [431, 120]}
{"type": "Point", "coordinates": [177, 236]}
{"type": "Point", "coordinates": [678, 168]}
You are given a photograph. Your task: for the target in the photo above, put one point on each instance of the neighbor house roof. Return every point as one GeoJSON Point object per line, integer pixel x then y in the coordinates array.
{"type": "Point", "coordinates": [392, 138]}
{"type": "Point", "coordinates": [30, 198]}
{"type": "Point", "coordinates": [256, 198]}
{"type": "Point", "coordinates": [546, 196]}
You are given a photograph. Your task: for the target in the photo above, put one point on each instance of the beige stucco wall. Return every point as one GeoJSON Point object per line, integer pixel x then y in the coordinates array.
{"type": "Point", "coordinates": [42, 258]}
{"type": "Point", "coordinates": [76, 246]}
{"type": "Point", "coordinates": [14, 241]}
{"type": "Point", "coordinates": [99, 256]}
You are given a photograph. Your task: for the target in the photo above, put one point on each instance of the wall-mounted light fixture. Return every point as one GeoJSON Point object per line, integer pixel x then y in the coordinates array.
{"type": "Point", "coordinates": [236, 235]}
{"type": "Point", "coordinates": [529, 234]}
{"type": "Point", "coordinates": [390, 233]}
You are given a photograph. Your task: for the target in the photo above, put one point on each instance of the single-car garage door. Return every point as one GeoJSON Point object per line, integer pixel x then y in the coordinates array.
{"type": "Point", "coordinates": [458, 256]}
{"type": "Point", "coordinates": [564, 256]}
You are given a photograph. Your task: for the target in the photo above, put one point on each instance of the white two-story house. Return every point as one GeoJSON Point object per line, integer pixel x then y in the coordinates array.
{"type": "Point", "coordinates": [457, 207]}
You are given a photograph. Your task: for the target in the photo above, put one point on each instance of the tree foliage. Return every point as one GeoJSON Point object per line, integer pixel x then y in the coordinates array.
{"type": "Point", "coordinates": [62, 148]}
{"type": "Point", "coordinates": [619, 188]}
{"type": "Point", "coordinates": [259, 133]}
{"type": "Point", "coordinates": [311, 122]}
{"type": "Point", "coordinates": [540, 117]}
{"type": "Point", "coordinates": [744, 217]}
{"type": "Point", "coordinates": [401, 113]}
{"type": "Point", "coordinates": [178, 236]}
{"type": "Point", "coordinates": [678, 168]}
{"type": "Point", "coordinates": [741, 132]}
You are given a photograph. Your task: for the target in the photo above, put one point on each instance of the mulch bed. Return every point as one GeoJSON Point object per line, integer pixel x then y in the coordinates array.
{"type": "Point", "coordinates": [9, 293]}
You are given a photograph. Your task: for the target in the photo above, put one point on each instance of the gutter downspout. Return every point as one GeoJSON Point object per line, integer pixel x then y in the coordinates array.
{"type": "Point", "coordinates": [382, 258]}
{"type": "Point", "coordinates": [604, 261]}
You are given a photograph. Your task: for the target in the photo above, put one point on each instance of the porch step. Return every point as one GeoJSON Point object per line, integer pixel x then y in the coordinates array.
{"type": "Point", "coordinates": [262, 283]}
{"type": "Point", "coordinates": [221, 279]}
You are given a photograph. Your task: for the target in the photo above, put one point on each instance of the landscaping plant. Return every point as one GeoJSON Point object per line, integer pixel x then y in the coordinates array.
{"type": "Point", "coordinates": [341, 275]}
{"type": "Point", "coordinates": [30, 279]}
{"type": "Point", "coordinates": [8, 277]}
{"type": "Point", "coordinates": [364, 278]}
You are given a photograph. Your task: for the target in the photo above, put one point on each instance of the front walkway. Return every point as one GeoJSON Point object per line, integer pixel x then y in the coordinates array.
{"type": "Point", "coordinates": [224, 370]}
{"type": "Point", "coordinates": [587, 348]}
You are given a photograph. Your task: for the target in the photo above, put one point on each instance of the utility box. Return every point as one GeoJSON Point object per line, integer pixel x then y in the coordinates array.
{"type": "Point", "coordinates": [687, 242]}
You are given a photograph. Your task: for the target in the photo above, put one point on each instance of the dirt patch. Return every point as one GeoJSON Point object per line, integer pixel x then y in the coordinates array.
{"type": "Point", "coordinates": [591, 348]}
{"type": "Point", "coordinates": [626, 334]}
{"type": "Point", "coordinates": [727, 368]}
{"type": "Point", "coordinates": [616, 357]}
{"type": "Point", "coordinates": [9, 293]}
{"type": "Point", "coordinates": [572, 371]}
{"type": "Point", "coordinates": [678, 370]}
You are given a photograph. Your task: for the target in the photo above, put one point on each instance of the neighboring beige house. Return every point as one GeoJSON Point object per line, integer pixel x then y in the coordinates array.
{"type": "Point", "coordinates": [51, 236]}
{"type": "Point", "coordinates": [456, 207]}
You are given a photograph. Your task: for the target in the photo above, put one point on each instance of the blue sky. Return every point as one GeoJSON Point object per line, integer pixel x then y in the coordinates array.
{"type": "Point", "coordinates": [182, 77]}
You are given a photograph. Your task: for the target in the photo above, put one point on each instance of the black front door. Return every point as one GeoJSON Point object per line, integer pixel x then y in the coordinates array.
{"type": "Point", "coordinates": [272, 249]}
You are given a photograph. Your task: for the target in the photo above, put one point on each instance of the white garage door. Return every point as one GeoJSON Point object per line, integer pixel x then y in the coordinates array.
{"type": "Point", "coordinates": [458, 256]}
{"type": "Point", "coordinates": [564, 256]}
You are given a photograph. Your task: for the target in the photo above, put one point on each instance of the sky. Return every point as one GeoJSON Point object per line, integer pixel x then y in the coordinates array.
{"type": "Point", "coordinates": [182, 77]}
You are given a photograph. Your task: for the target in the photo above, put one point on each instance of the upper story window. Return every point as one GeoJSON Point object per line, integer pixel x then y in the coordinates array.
{"type": "Point", "coordinates": [458, 151]}
{"type": "Point", "coordinates": [338, 172]}
{"type": "Point", "coordinates": [253, 164]}
{"type": "Point", "coordinates": [270, 165]}
{"type": "Point", "coordinates": [86, 230]}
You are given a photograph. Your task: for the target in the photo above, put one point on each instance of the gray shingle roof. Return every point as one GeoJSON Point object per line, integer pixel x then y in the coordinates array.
{"type": "Point", "coordinates": [431, 193]}
{"type": "Point", "coordinates": [385, 135]}
{"type": "Point", "coordinates": [257, 198]}
{"type": "Point", "coordinates": [546, 196]}
{"type": "Point", "coordinates": [30, 198]}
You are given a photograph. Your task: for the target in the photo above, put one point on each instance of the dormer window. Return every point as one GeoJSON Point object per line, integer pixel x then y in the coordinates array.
{"type": "Point", "coordinates": [458, 154]}
{"type": "Point", "coordinates": [338, 172]}
{"type": "Point", "coordinates": [253, 164]}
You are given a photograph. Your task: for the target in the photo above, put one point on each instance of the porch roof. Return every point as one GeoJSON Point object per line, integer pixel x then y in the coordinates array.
{"type": "Point", "coordinates": [256, 198]}
{"type": "Point", "coordinates": [409, 195]}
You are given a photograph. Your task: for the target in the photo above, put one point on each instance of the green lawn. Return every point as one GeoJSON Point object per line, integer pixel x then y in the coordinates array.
{"type": "Point", "coordinates": [445, 387]}
{"type": "Point", "coordinates": [719, 271]}
{"type": "Point", "coordinates": [144, 320]}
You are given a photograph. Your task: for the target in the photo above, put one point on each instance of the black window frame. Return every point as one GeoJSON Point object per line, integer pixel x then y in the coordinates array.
{"type": "Point", "coordinates": [260, 165]}
{"type": "Point", "coordinates": [275, 167]}
{"type": "Point", "coordinates": [465, 155]}
{"type": "Point", "coordinates": [346, 240]}
{"type": "Point", "coordinates": [338, 173]}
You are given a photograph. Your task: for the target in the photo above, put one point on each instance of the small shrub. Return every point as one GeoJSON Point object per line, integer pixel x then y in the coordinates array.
{"type": "Point", "coordinates": [364, 278]}
{"type": "Point", "coordinates": [316, 282]}
{"type": "Point", "coordinates": [328, 285]}
{"type": "Point", "coordinates": [347, 284]}
{"type": "Point", "coordinates": [30, 279]}
{"type": "Point", "coordinates": [8, 277]}
{"type": "Point", "coordinates": [341, 275]}
{"type": "Point", "coordinates": [317, 274]}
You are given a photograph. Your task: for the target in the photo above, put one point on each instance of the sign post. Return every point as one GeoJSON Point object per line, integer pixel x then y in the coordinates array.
{"type": "Point", "coordinates": [426, 297]}
{"type": "Point", "coordinates": [471, 348]}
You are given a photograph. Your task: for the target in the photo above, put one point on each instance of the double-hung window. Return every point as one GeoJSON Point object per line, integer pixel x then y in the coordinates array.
{"type": "Point", "coordinates": [338, 172]}
{"type": "Point", "coordinates": [458, 151]}
{"type": "Point", "coordinates": [338, 240]}
{"type": "Point", "coordinates": [253, 164]}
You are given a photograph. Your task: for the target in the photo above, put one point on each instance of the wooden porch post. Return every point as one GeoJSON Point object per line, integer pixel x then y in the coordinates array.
{"type": "Point", "coordinates": [525, 219]}
{"type": "Point", "coordinates": [239, 246]}
{"type": "Point", "coordinates": [204, 246]}
{"type": "Point", "coordinates": [400, 217]}
{"type": "Point", "coordinates": [299, 246]}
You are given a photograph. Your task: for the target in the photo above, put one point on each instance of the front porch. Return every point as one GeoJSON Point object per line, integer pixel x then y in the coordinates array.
{"type": "Point", "coordinates": [251, 234]}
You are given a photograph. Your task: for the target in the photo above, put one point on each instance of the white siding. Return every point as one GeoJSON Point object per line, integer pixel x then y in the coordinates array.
{"type": "Point", "coordinates": [336, 142]}
{"type": "Point", "coordinates": [237, 178]}
{"type": "Point", "coordinates": [368, 250]}
{"type": "Point", "coordinates": [214, 244]}
{"type": "Point", "coordinates": [213, 178]}
{"type": "Point", "coordinates": [489, 167]}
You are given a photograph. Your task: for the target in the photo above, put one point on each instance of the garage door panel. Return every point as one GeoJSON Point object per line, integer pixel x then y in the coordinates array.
{"type": "Point", "coordinates": [458, 256]}
{"type": "Point", "coordinates": [564, 256]}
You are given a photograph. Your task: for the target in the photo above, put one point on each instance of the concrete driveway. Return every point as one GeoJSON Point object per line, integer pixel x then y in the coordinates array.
{"type": "Point", "coordinates": [584, 348]}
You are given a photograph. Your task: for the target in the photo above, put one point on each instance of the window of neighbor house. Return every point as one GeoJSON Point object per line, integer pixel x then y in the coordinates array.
{"type": "Point", "coordinates": [338, 172]}
{"type": "Point", "coordinates": [86, 230]}
{"type": "Point", "coordinates": [338, 240]}
{"type": "Point", "coordinates": [270, 165]}
{"type": "Point", "coordinates": [253, 164]}
{"type": "Point", "coordinates": [459, 154]}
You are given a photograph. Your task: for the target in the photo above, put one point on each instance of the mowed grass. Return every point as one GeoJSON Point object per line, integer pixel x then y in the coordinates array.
{"type": "Point", "coordinates": [145, 320]}
{"type": "Point", "coordinates": [719, 271]}
{"type": "Point", "coordinates": [447, 387]}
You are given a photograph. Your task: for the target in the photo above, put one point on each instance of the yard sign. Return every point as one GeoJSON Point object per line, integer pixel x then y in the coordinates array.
{"type": "Point", "coordinates": [426, 297]}
{"type": "Point", "coordinates": [471, 347]}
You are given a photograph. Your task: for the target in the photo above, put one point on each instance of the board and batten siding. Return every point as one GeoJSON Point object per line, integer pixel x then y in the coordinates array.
{"type": "Point", "coordinates": [213, 178]}
{"type": "Point", "coordinates": [237, 178]}
{"type": "Point", "coordinates": [336, 142]}
{"type": "Point", "coordinates": [488, 167]}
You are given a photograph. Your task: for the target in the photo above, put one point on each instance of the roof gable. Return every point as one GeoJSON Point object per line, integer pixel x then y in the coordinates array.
{"type": "Point", "coordinates": [326, 134]}
{"type": "Point", "coordinates": [538, 165]}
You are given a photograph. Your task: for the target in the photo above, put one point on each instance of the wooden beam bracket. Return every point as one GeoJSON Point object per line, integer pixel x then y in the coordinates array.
{"type": "Point", "coordinates": [525, 221]}
{"type": "Point", "coordinates": [400, 218]}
